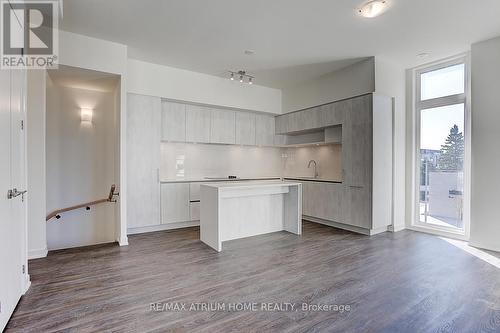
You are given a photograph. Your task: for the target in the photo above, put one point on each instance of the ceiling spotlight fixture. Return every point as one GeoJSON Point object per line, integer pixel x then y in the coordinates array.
{"type": "Point", "coordinates": [373, 8]}
{"type": "Point", "coordinates": [242, 76]}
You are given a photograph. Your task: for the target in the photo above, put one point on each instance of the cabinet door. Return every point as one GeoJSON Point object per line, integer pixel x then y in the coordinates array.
{"type": "Point", "coordinates": [357, 142]}
{"type": "Point", "coordinates": [264, 130]}
{"type": "Point", "coordinates": [222, 126]}
{"type": "Point", "coordinates": [245, 128]}
{"type": "Point", "coordinates": [280, 140]}
{"type": "Point", "coordinates": [175, 203]}
{"type": "Point", "coordinates": [194, 208]}
{"type": "Point", "coordinates": [281, 124]}
{"type": "Point", "coordinates": [143, 160]}
{"type": "Point", "coordinates": [333, 114]}
{"type": "Point", "coordinates": [194, 191]}
{"type": "Point", "coordinates": [323, 200]}
{"type": "Point", "coordinates": [197, 124]}
{"type": "Point", "coordinates": [173, 121]}
{"type": "Point", "coordinates": [357, 206]}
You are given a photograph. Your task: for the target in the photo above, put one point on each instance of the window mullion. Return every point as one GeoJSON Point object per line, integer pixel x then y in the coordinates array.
{"type": "Point", "coordinates": [441, 101]}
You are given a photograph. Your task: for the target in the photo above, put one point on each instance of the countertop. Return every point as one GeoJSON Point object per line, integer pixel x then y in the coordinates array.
{"type": "Point", "coordinates": [204, 180]}
{"type": "Point", "coordinates": [251, 184]}
{"type": "Point", "coordinates": [310, 179]}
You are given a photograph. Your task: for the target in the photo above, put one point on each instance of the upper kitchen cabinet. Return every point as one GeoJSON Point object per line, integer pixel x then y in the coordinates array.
{"type": "Point", "coordinates": [333, 114]}
{"type": "Point", "coordinates": [318, 117]}
{"type": "Point", "coordinates": [298, 121]}
{"type": "Point", "coordinates": [222, 126]}
{"type": "Point", "coordinates": [143, 160]}
{"type": "Point", "coordinates": [197, 124]}
{"type": "Point", "coordinates": [173, 121]}
{"type": "Point", "coordinates": [264, 130]}
{"type": "Point", "coordinates": [245, 128]}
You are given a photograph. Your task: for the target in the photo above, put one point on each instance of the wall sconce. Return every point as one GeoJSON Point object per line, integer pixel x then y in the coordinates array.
{"type": "Point", "coordinates": [86, 115]}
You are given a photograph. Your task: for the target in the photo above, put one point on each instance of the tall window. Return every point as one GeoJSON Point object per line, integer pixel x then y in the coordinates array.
{"type": "Point", "coordinates": [441, 105]}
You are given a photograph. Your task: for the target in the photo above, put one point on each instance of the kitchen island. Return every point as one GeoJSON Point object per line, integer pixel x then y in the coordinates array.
{"type": "Point", "coordinates": [232, 210]}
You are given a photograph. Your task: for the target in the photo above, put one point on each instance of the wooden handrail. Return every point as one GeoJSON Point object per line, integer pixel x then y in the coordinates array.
{"type": "Point", "coordinates": [57, 213]}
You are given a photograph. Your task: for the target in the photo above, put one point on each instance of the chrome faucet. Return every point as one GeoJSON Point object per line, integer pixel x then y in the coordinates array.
{"type": "Point", "coordinates": [315, 167]}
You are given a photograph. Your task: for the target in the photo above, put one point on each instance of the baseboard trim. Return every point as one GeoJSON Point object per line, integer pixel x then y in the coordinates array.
{"type": "Point", "coordinates": [359, 230]}
{"type": "Point", "coordinates": [396, 228]}
{"type": "Point", "coordinates": [487, 247]}
{"type": "Point", "coordinates": [123, 241]}
{"type": "Point", "coordinates": [36, 254]}
{"type": "Point", "coordinates": [27, 284]}
{"type": "Point", "coordinates": [161, 227]}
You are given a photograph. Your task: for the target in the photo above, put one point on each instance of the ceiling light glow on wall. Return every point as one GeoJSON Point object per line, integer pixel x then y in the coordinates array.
{"type": "Point", "coordinates": [243, 76]}
{"type": "Point", "coordinates": [86, 115]}
{"type": "Point", "coordinates": [373, 8]}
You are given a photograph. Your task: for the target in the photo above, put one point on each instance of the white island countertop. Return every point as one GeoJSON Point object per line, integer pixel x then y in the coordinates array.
{"type": "Point", "coordinates": [251, 184]}
{"type": "Point", "coordinates": [232, 210]}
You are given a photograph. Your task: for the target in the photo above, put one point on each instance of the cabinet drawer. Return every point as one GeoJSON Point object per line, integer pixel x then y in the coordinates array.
{"type": "Point", "coordinates": [194, 211]}
{"type": "Point", "coordinates": [194, 191]}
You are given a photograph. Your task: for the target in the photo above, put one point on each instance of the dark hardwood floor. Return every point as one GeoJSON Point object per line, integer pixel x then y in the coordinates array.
{"type": "Point", "coordinates": [403, 282]}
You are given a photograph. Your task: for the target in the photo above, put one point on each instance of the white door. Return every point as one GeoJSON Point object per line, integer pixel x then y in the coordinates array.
{"type": "Point", "coordinates": [12, 209]}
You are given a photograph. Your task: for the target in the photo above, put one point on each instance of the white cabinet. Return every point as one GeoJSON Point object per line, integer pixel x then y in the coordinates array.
{"type": "Point", "coordinates": [143, 160]}
{"type": "Point", "coordinates": [194, 191]}
{"type": "Point", "coordinates": [197, 124]}
{"type": "Point", "coordinates": [264, 130]}
{"type": "Point", "coordinates": [173, 121]}
{"type": "Point", "coordinates": [175, 203]}
{"type": "Point", "coordinates": [194, 210]}
{"type": "Point", "coordinates": [222, 126]}
{"type": "Point", "coordinates": [245, 128]}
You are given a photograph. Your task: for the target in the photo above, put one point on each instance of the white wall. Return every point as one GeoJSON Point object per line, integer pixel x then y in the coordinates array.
{"type": "Point", "coordinates": [35, 130]}
{"type": "Point", "coordinates": [105, 56]}
{"type": "Point", "coordinates": [350, 81]}
{"type": "Point", "coordinates": [485, 136]}
{"type": "Point", "coordinates": [390, 80]}
{"type": "Point", "coordinates": [183, 85]}
{"type": "Point", "coordinates": [80, 166]}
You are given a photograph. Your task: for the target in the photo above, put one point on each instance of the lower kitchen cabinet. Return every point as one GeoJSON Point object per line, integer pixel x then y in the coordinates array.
{"type": "Point", "coordinates": [322, 200]}
{"type": "Point", "coordinates": [175, 203]}
{"type": "Point", "coordinates": [357, 206]}
{"type": "Point", "coordinates": [194, 211]}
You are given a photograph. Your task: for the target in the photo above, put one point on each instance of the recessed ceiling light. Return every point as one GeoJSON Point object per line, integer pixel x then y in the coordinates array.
{"type": "Point", "coordinates": [373, 8]}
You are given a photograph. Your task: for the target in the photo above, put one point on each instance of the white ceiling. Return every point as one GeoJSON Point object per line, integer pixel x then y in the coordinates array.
{"type": "Point", "coordinates": [293, 40]}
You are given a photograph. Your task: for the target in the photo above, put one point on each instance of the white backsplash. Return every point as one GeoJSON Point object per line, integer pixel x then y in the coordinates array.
{"type": "Point", "coordinates": [328, 159]}
{"type": "Point", "coordinates": [188, 160]}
